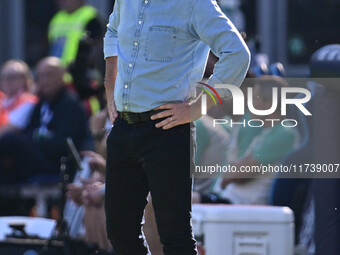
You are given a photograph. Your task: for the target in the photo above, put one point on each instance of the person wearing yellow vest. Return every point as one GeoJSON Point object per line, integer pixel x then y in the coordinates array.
{"type": "Point", "coordinates": [16, 83]}
{"type": "Point", "coordinates": [73, 25]}
{"type": "Point", "coordinates": [68, 26]}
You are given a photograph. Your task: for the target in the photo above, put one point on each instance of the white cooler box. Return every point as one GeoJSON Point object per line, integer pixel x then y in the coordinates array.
{"type": "Point", "coordinates": [244, 230]}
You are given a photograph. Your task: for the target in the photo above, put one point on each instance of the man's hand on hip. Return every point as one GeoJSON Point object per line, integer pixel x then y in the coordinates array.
{"type": "Point", "coordinates": [113, 114]}
{"type": "Point", "coordinates": [177, 114]}
{"type": "Point", "coordinates": [110, 79]}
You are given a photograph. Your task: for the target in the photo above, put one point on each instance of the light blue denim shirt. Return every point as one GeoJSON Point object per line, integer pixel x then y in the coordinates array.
{"type": "Point", "coordinates": [162, 48]}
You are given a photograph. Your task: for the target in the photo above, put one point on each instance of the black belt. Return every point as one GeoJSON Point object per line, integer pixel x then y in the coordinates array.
{"type": "Point", "coordinates": [136, 117]}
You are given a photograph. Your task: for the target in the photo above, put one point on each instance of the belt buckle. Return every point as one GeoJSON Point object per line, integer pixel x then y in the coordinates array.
{"type": "Point", "coordinates": [129, 118]}
{"type": "Point", "coordinates": [132, 118]}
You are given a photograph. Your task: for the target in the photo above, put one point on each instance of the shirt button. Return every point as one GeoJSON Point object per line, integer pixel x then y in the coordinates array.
{"type": "Point", "coordinates": [135, 43]}
{"type": "Point", "coordinates": [130, 65]}
{"type": "Point", "coordinates": [125, 107]}
{"type": "Point", "coordinates": [126, 86]}
{"type": "Point", "coordinates": [139, 22]}
{"type": "Point", "coordinates": [146, 1]}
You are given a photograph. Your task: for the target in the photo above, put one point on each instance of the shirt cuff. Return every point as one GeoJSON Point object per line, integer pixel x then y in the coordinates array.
{"type": "Point", "coordinates": [223, 93]}
{"type": "Point", "coordinates": [110, 47]}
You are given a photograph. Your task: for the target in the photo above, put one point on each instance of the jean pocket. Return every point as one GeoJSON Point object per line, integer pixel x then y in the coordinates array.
{"type": "Point", "coordinates": [160, 44]}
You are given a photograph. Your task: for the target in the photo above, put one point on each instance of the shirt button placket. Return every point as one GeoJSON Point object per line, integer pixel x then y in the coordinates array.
{"type": "Point", "coordinates": [134, 54]}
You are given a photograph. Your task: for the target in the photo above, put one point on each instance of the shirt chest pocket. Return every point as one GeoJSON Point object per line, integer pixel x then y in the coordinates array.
{"type": "Point", "coordinates": [160, 44]}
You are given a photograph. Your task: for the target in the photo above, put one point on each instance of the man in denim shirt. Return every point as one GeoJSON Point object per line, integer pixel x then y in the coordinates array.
{"type": "Point", "coordinates": [155, 52]}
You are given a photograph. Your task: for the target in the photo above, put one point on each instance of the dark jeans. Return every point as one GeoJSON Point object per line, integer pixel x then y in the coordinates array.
{"type": "Point", "coordinates": [143, 158]}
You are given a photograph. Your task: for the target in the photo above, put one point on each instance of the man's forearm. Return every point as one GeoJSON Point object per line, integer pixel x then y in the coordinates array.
{"type": "Point", "coordinates": [111, 71]}
{"type": "Point", "coordinates": [110, 74]}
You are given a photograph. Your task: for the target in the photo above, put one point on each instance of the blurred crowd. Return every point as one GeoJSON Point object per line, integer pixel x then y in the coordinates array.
{"type": "Point", "coordinates": [61, 97]}
{"type": "Point", "coordinates": [64, 98]}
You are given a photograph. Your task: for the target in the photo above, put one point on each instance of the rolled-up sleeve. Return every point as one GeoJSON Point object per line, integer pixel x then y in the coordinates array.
{"type": "Point", "coordinates": [210, 25]}
{"type": "Point", "coordinates": [111, 36]}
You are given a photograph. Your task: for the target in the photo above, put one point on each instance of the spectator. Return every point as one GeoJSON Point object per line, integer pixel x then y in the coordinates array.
{"type": "Point", "coordinates": [269, 147]}
{"type": "Point", "coordinates": [250, 146]}
{"type": "Point", "coordinates": [69, 25]}
{"type": "Point", "coordinates": [212, 145]}
{"type": "Point", "coordinates": [320, 228]}
{"type": "Point", "coordinates": [56, 117]}
{"type": "Point", "coordinates": [90, 194]}
{"type": "Point", "coordinates": [76, 36]}
{"type": "Point", "coordinates": [17, 103]}
{"type": "Point", "coordinates": [85, 205]}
